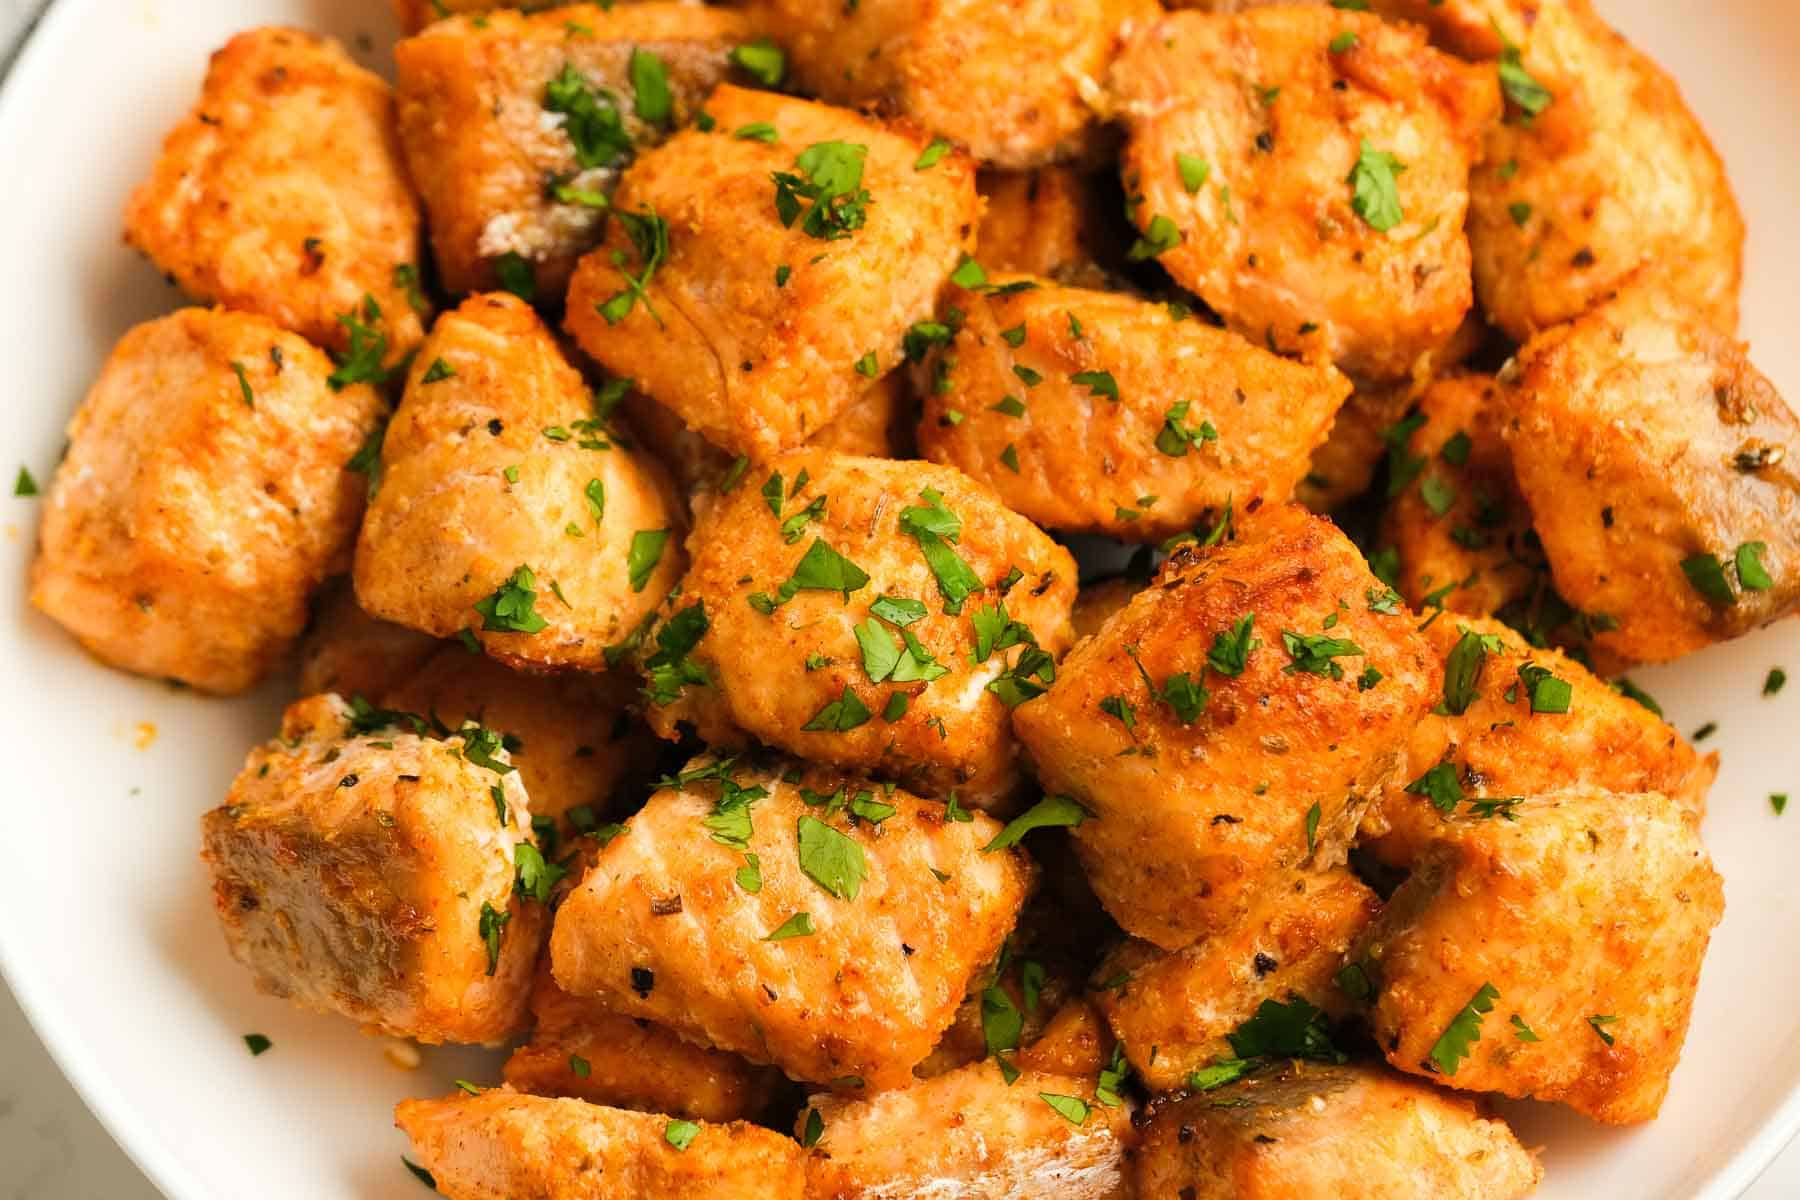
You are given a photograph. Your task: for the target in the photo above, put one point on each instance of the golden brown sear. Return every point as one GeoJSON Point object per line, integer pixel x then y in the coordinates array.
{"type": "Point", "coordinates": [1305, 171]}
{"type": "Point", "coordinates": [1017, 83]}
{"type": "Point", "coordinates": [501, 1145]}
{"type": "Point", "coordinates": [516, 127]}
{"type": "Point", "coordinates": [283, 193]}
{"type": "Point", "coordinates": [757, 278]}
{"type": "Point", "coordinates": [508, 512]}
{"type": "Point", "coordinates": [1051, 222]}
{"type": "Point", "coordinates": [205, 494]}
{"type": "Point", "coordinates": [973, 1132]}
{"type": "Point", "coordinates": [795, 916]}
{"type": "Point", "coordinates": [1549, 950]}
{"type": "Point", "coordinates": [1095, 412]}
{"type": "Point", "coordinates": [579, 1048]}
{"type": "Point", "coordinates": [1311, 1131]}
{"type": "Point", "coordinates": [1599, 172]}
{"type": "Point", "coordinates": [1227, 728]}
{"type": "Point", "coordinates": [876, 615]}
{"type": "Point", "coordinates": [1659, 467]}
{"type": "Point", "coordinates": [1519, 720]}
{"type": "Point", "coordinates": [362, 868]}
{"type": "Point", "coordinates": [1173, 1012]}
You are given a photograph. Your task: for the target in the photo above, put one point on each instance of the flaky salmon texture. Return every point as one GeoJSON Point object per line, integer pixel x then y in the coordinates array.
{"type": "Point", "coordinates": [808, 534]}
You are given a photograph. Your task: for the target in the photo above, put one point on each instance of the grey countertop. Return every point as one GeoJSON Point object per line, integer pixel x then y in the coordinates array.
{"type": "Point", "coordinates": [54, 1149]}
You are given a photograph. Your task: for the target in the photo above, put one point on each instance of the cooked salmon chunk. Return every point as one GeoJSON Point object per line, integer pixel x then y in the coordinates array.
{"type": "Point", "coordinates": [508, 512]}
{"type": "Point", "coordinates": [1173, 1013]}
{"type": "Point", "coordinates": [1017, 83]}
{"type": "Point", "coordinates": [1227, 729]}
{"type": "Point", "coordinates": [1055, 222]}
{"type": "Point", "coordinates": [1517, 720]}
{"type": "Point", "coordinates": [414, 15]}
{"type": "Point", "coordinates": [1598, 172]}
{"type": "Point", "coordinates": [1455, 516]}
{"type": "Point", "coordinates": [757, 278]}
{"type": "Point", "coordinates": [1305, 171]}
{"type": "Point", "coordinates": [793, 916]}
{"type": "Point", "coordinates": [500, 1145]}
{"type": "Point", "coordinates": [1096, 412]}
{"type": "Point", "coordinates": [875, 615]}
{"type": "Point", "coordinates": [204, 495]}
{"type": "Point", "coordinates": [1550, 950]}
{"type": "Point", "coordinates": [1310, 1132]}
{"type": "Point", "coordinates": [969, 1135]}
{"type": "Point", "coordinates": [362, 868]}
{"type": "Point", "coordinates": [283, 193]}
{"type": "Point", "coordinates": [347, 651]}
{"type": "Point", "coordinates": [1659, 467]}
{"type": "Point", "coordinates": [516, 127]}
{"type": "Point", "coordinates": [1097, 602]}
{"type": "Point", "coordinates": [580, 1049]}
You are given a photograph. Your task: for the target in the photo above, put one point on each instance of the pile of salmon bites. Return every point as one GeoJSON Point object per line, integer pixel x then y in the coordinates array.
{"type": "Point", "coordinates": [699, 693]}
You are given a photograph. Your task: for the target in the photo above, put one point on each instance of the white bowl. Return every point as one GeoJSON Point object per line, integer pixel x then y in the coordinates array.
{"type": "Point", "coordinates": [106, 929]}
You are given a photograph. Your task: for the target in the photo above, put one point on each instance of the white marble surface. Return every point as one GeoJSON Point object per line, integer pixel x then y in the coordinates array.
{"type": "Point", "coordinates": [52, 1148]}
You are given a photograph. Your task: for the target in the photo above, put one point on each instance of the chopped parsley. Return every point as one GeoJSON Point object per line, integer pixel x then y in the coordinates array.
{"type": "Point", "coordinates": [829, 174]}
{"type": "Point", "coordinates": [649, 237]}
{"type": "Point", "coordinates": [669, 671]}
{"type": "Point", "coordinates": [1193, 171]}
{"type": "Point", "coordinates": [1231, 648]}
{"type": "Point", "coordinates": [1520, 86]}
{"type": "Point", "coordinates": [681, 1134]}
{"type": "Point", "coordinates": [490, 925]}
{"type": "Point", "coordinates": [842, 715]}
{"type": "Point", "coordinates": [25, 485]}
{"type": "Point", "coordinates": [1598, 1023]}
{"type": "Point", "coordinates": [830, 858]}
{"type": "Point", "coordinates": [1464, 1030]}
{"type": "Point", "coordinates": [1052, 812]}
{"type": "Point", "coordinates": [439, 369]}
{"type": "Point", "coordinates": [645, 553]}
{"type": "Point", "coordinates": [1317, 653]}
{"type": "Point", "coordinates": [1072, 1109]}
{"type": "Point", "coordinates": [257, 1044]}
{"type": "Point", "coordinates": [1160, 236]}
{"type": "Point", "coordinates": [798, 925]}
{"type": "Point", "coordinates": [513, 606]}
{"type": "Point", "coordinates": [762, 60]}
{"type": "Point", "coordinates": [361, 362]}
{"type": "Point", "coordinates": [1375, 192]}
{"type": "Point", "coordinates": [590, 119]}
{"type": "Point", "coordinates": [936, 528]}
{"type": "Point", "coordinates": [932, 155]}
{"type": "Point", "coordinates": [650, 87]}
{"type": "Point", "coordinates": [1176, 435]}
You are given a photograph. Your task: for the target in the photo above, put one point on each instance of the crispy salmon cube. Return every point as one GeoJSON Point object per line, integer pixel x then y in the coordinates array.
{"type": "Point", "coordinates": [580, 1049]}
{"type": "Point", "coordinates": [757, 282]}
{"type": "Point", "coordinates": [875, 615]}
{"type": "Point", "coordinates": [507, 511]}
{"type": "Point", "coordinates": [282, 193]}
{"type": "Point", "coordinates": [1227, 729]}
{"type": "Point", "coordinates": [501, 1145]}
{"type": "Point", "coordinates": [1308, 1132]}
{"type": "Point", "coordinates": [204, 495]}
{"type": "Point", "coordinates": [1455, 515]}
{"type": "Point", "coordinates": [966, 1134]}
{"type": "Point", "coordinates": [1096, 412]}
{"type": "Point", "coordinates": [347, 651]}
{"type": "Point", "coordinates": [516, 127]}
{"type": "Point", "coordinates": [1551, 950]}
{"type": "Point", "coordinates": [366, 870]}
{"type": "Point", "coordinates": [1057, 222]}
{"type": "Point", "coordinates": [1173, 1011]}
{"type": "Point", "coordinates": [1518, 720]}
{"type": "Point", "coordinates": [785, 922]}
{"type": "Point", "coordinates": [1097, 602]}
{"type": "Point", "coordinates": [1657, 463]}
{"type": "Point", "coordinates": [1017, 83]}
{"type": "Point", "coordinates": [1599, 173]}
{"type": "Point", "coordinates": [1305, 171]}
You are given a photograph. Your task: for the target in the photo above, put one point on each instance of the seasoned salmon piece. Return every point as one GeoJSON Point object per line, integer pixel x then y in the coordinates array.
{"type": "Point", "coordinates": [793, 916]}
{"type": "Point", "coordinates": [1598, 173]}
{"type": "Point", "coordinates": [1095, 412]}
{"type": "Point", "coordinates": [1455, 514]}
{"type": "Point", "coordinates": [500, 1145]}
{"type": "Point", "coordinates": [1017, 83]}
{"type": "Point", "coordinates": [580, 1049]}
{"type": "Point", "coordinates": [1096, 602]}
{"type": "Point", "coordinates": [1659, 466]}
{"type": "Point", "coordinates": [1173, 1011]}
{"type": "Point", "coordinates": [1518, 720]}
{"type": "Point", "coordinates": [283, 193]}
{"type": "Point", "coordinates": [363, 869]}
{"type": "Point", "coordinates": [516, 127]}
{"type": "Point", "coordinates": [875, 615]}
{"type": "Point", "coordinates": [1227, 729]}
{"type": "Point", "coordinates": [1305, 171]}
{"type": "Point", "coordinates": [1551, 950]}
{"type": "Point", "coordinates": [1311, 1132]}
{"type": "Point", "coordinates": [347, 651]}
{"type": "Point", "coordinates": [756, 279]}
{"type": "Point", "coordinates": [1057, 222]}
{"type": "Point", "coordinates": [508, 512]}
{"type": "Point", "coordinates": [969, 1135]}
{"type": "Point", "coordinates": [414, 15]}
{"type": "Point", "coordinates": [205, 494]}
